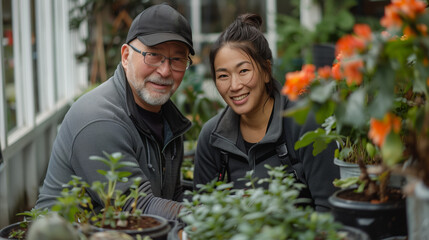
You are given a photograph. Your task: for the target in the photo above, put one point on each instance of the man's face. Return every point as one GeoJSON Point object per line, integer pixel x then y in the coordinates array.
{"type": "Point", "coordinates": [153, 85]}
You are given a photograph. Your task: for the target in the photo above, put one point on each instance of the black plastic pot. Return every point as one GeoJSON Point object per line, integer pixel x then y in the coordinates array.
{"type": "Point", "coordinates": [354, 233]}
{"type": "Point", "coordinates": [159, 232]}
{"type": "Point", "coordinates": [4, 232]}
{"type": "Point", "coordinates": [378, 220]}
{"type": "Point", "coordinates": [323, 54]}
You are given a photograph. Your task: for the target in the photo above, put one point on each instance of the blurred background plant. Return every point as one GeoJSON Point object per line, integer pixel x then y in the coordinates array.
{"type": "Point", "coordinates": [297, 40]}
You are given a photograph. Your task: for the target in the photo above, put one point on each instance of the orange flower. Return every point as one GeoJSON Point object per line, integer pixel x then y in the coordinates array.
{"type": "Point", "coordinates": [399, 9]}
{"type": "Point", "coordinates": [324, 72]}
{"type": "Point", "coordinates": [297, 82]}
{"type": "Point", "coordinates": [363, 31]}
{"type": "Point", "coordinates": [421, 30]}
{"type": "Point", "coordinates": [353, 72]}
{"type": "Point", "coordinates": [380, 128]}
{"type": "Point", "coordinates": [349, 45]}
{"type": "Point", "coordinates": [336, 72]}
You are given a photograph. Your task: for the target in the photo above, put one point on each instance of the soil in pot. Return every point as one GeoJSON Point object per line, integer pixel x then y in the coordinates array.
{"type": "Point", "coordinates": [8, 230]}
{"type": "Point", "coordinates": [153, 226]}
{"type": "Point", "coordinates": [379, 220]}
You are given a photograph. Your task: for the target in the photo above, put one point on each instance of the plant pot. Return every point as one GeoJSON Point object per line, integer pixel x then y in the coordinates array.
{"type": "Point", "coordinates": [352, 170]}
{"type": "Point", "coordinates": [352, 233]}
{"type": "Point", "coordinates": [4, 232]}
{"type": "Point", "coordinates": [158, 232]}
{"type": "Point", "coordinates": [381, 220]}
{"type": "Point", "coordinates": [347, 169]}
{"type": "Point", "coordinates": [323, 54]}
{"type": "Point", "coordinates": [418, 212]}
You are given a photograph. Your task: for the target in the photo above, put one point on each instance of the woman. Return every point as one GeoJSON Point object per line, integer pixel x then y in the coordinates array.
{"type": "Point", "coordinates": [251, 131]}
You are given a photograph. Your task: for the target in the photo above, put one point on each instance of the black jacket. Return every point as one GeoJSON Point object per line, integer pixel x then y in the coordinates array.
{"type": "Point", "coordinates": [220, 135]}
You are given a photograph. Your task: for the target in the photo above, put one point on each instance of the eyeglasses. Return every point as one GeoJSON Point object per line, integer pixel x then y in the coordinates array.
{"type": "Point", "coordinates": [156, 60]}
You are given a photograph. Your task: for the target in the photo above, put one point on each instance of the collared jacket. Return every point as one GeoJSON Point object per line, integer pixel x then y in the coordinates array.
{"type": "Point", "coordinates": [220, 137]}
{"type": "Point", "coordinates": [106, 119]}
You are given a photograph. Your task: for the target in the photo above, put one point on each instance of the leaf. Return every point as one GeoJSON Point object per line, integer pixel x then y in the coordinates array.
{"type": "Point", "coordinates": [126, 164]}
{"type": "Point", "coordinates": [392, 149]}
{"type": "Point", "coordinates": [123, 174]}
{"type": "Point", "coordinates": [318, 146]}
{"type": "Point", "coordinates": [102, 172]}
{"type": "Point", "coordinates": [345, 182]}
{"type": "Point", "coordinates": [299, 112]}
{"type": "Point", "coordinates": [352, 112]}
{"type": "Point", "coordinates": [103, 160]}
{"type": "Point", "coordinates": [308, 138]}
{"type": "Point", "coordinates": [325, 111]}
{"type": "Point", "coordinates": [322, 92]}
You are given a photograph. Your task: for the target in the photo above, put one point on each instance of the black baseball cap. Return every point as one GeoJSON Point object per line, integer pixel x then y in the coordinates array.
{"type": "Point", "coordinates": [160, 23]}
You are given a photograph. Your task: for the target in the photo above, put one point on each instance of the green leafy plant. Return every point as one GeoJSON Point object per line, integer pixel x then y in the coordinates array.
{"type": "Point", "coordinates": [29, 217]}
{"type": "Point", "coordinates": [107, 190]}
{"type": "Point", "coordinates": [217, 211]}
{"type": "Point", "coordinates": [75, 206]}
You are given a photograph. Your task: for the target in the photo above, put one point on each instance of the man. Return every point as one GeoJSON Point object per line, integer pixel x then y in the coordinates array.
{"type": "Point", "coordinates": [131, 113]}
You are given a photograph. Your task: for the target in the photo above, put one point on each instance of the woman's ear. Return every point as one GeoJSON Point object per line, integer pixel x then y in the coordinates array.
{"type": "Point", "coordinates": [125, 52]}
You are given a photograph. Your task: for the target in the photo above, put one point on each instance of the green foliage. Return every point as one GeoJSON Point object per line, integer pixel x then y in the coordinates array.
{"type": "Point", "coordinates": [75, 206]}
{"type": "Point", "coordinates": [218, 212]}
{"type": "Point", "coordinates": [29, 217]}
{"type": "Point", "coordinates": [296, 40]}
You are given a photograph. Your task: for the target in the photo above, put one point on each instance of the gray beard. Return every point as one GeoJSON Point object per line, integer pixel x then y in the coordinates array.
{"type": "Point", "coordinates": [154, 101]}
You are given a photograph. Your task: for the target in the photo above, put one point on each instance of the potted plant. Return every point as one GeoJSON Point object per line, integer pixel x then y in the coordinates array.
{"type": "Point", "coordinates": [75, 206]}
{"type": "Point", "coordinates": [379, 86]}
{"type": "Point", "coordinates": [217, 211]}
{"type": "Point", "coordinates": [19, 230]}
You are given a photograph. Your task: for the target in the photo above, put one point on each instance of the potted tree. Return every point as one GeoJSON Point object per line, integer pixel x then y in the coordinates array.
{"type": "Point", "coordinates": [379, 85]}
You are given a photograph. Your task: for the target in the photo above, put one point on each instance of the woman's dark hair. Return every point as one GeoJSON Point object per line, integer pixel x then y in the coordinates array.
{"type": "Point", "coordinates": [245, 34]}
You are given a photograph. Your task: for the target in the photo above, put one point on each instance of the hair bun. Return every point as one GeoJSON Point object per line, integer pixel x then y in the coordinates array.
{"type": "Point", "coordinates": [251, 19]}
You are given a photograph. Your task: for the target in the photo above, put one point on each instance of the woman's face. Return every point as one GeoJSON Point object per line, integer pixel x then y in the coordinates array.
{"type": "Point", "coordinates": [239, 81]}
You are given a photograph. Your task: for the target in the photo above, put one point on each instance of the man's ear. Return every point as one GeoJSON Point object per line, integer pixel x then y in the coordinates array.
{"type": "Point", "coordinates": [125, 52]}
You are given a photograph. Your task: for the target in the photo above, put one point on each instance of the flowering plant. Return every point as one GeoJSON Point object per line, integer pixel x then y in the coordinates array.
{"type": "Point", "coordinates": [374, 97]}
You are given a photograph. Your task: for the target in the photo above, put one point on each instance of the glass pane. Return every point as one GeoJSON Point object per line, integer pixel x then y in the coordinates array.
{"type": "Point", "coordinates": [34, 57]}
{"type": "Point", "coordinates": [8, 63]}
{"type": "Point", "coordinates": [217, 15]}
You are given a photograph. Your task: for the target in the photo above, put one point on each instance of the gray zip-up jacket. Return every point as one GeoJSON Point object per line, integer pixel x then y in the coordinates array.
{"type": "Point", "coordinates": [219, 139]}
{"type": "Point", "coordinates": [106, 119]}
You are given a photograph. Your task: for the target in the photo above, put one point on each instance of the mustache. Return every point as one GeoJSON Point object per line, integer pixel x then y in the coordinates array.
{"type": "Point", "coordinates": [159, 80]}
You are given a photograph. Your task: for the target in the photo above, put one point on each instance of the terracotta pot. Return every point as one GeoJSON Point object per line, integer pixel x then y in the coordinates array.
{"type": "Point", "coordinates": [378, 220]}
